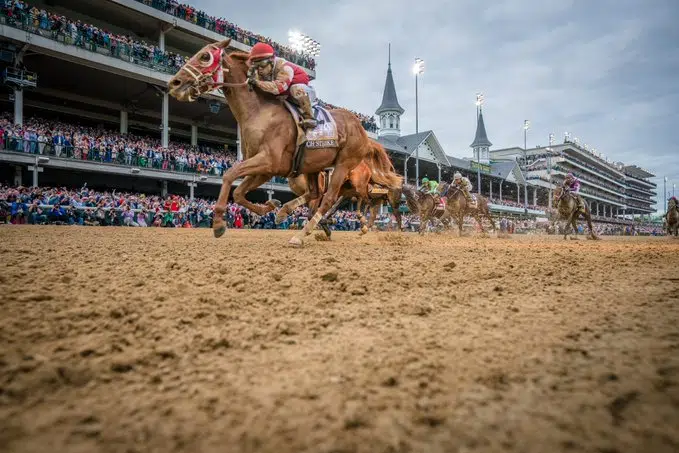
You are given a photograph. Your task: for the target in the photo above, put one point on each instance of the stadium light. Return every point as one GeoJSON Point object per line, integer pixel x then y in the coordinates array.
{"type": "Point", "coordinates": [303, 43]}
{"type": "Point", "coordinates": [418, 69]}
{"type": "Point", "coordinates": [526, 126]}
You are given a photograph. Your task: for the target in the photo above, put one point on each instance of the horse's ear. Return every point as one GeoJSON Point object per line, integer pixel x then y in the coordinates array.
{"type": "Point", "coordinates": [224, 44]}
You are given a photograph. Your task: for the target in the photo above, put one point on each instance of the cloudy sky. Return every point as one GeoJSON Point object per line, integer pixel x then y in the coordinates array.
{"type": "Point", "coordinates": [606, 71]}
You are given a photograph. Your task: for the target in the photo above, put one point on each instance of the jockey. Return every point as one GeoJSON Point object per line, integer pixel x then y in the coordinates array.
{"type": "Point", "coordinates": [465, 185]}
{"type": "Point", "coordinates": [278, 76]}
{"type": "Point", "coordinates": [430, 186]}
{"type": "Point", "coordinates": [672, 202]}
{"type": "Point", "coordinates": [571, 184]}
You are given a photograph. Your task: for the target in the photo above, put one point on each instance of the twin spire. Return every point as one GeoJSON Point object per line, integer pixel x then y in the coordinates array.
{"type": "Point", "coordinates": [389, 98]}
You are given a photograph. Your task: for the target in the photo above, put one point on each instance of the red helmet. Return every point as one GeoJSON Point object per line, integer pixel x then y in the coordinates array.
{"type": "Point", "coordinates": [260, 51]}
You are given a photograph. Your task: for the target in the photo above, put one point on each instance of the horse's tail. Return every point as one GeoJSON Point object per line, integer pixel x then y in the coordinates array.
{"type": "Point", "coordinates": [382, 168]}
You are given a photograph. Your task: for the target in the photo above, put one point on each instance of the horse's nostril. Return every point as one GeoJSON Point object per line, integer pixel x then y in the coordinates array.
{"type": "Point", "coordinates": [176, 82]}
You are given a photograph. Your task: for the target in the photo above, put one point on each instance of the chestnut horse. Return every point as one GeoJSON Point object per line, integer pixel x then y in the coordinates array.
{"type": "Point", "coordinates": [269, 136]}
{"type": "Point", "coordinates": [356, 186]}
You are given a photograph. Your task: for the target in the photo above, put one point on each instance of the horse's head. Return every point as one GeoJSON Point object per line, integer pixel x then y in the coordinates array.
{"type": "Point", "coordinates": [208, 69]}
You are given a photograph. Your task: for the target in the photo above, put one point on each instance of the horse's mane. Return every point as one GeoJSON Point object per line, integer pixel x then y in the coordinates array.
{"type": "Point", "coordinates": [238, 55]}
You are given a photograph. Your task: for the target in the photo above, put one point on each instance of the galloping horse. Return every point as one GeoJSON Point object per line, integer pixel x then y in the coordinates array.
{"type": "Point", "coordinates": [423, 204]}
{"type": "Point", "coordinates": [269, 136]}
{"type": "Point", "coordinates": [357, 186]}
{"type": "Point", "coordinates": [457, 208]}
{"type": "Point", "coordinates": [567, 209]}
{"type": "Point", "coordinates": [672, 218]}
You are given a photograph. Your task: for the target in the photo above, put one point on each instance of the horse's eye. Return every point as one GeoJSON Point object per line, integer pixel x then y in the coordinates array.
{"type": "Point", "coordinates": [205, 57]}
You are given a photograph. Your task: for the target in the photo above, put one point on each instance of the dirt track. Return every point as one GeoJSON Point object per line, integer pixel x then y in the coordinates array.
{"type": "Point", "coordinates": [147, 340]}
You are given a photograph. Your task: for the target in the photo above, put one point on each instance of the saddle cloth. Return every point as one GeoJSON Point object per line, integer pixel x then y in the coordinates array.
{"type": "Point", "coordinates": [375, 190]}
{"type": "Point", "coordinates": [442, 204]}
{"type": "Point", "coordinates": [324, 135]}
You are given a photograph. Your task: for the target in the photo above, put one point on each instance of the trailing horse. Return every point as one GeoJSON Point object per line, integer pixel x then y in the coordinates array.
{"type": "Point", "coordinates": [567, 209]}
{"type": "Point", "coordinates": [422, 204]}
{"type": "Point", "coordinates": [271, 137]}
{"type": "Point", "coordinates": [357, 185]}
{"type": "Point", "coordinates": [457, 208]}
{"type": "Point", "coordinates": [672, 218]}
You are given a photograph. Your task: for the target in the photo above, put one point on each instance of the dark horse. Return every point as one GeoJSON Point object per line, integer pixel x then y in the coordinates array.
{"type": "Point", "coordinates": [567, 209]}
{"type": "Point", "coordinates": [420, 203]}
{"type": "Point", "coordinates": [457, 208]}
{"type": "Point", "coordinates": [672, 218]}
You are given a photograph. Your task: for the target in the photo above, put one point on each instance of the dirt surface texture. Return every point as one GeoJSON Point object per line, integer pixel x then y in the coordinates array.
{"type": "Point", "coordinates": [164, 340]}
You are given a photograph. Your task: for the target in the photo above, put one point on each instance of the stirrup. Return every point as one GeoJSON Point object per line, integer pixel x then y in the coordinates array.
{"type": "Point", "coordinates": [309, 123]}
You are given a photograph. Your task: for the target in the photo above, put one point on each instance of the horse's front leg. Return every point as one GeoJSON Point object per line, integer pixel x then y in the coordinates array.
{"type": "Point", "coordinates": [249, 184]}
{"type": "Point", "coordinates": [255, 166]}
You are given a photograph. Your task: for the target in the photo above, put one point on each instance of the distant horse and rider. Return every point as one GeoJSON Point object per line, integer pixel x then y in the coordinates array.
{"type": "Point", "coordinates": [457, 203]}
{"type": "Point", "coordinates": [570, 207]}
{"type": "Point", "coordinates": [672, 217]}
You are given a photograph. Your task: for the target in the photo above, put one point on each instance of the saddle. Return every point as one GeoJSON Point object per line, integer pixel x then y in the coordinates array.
{"type": "Point", "coordinates": [324, 135]}
{"type": "Point", "coordinates": [375, 190]}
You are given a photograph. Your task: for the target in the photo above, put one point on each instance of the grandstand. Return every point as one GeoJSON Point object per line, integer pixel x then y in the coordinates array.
{"type": "Point", "coordinates": [613, 189]}
{"type": "Point", "coordinates": [104, 67]}
{"type": "Point", "coordinates": [86, 93]}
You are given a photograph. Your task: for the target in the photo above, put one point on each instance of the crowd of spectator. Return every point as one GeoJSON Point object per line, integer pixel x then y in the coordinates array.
{"type": "Point", "coordinates": [85, 206]}
{"type": "Point", "coordinates": [20, 14]}
{"type": "Point", "coordinates": [228, 29]}
{"type": "Point", "coordinates": [368, 122]}
{"type": "Point", "coordinates": [66, 140]}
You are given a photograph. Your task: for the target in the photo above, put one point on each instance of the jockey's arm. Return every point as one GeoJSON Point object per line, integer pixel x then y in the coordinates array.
{"type": "Point", "coordinates": [281, 84]}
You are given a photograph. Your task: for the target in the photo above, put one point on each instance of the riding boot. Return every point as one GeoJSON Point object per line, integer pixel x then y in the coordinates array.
{"type": "Point", "coordinates": [468, 197]}
{"type": "Point", "coordinates": [302, 100]}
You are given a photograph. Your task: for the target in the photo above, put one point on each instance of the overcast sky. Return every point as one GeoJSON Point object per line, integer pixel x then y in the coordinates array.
{"type": "Point", "coordinates": [606, 71]}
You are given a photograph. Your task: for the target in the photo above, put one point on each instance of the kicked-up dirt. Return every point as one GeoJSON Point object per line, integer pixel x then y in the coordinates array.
{"type": "Point", "coordinates": [150, 340]}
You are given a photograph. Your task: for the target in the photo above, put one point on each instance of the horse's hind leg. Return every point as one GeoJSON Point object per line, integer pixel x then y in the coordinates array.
{"type": "Point", "coordinates": [329, 198]}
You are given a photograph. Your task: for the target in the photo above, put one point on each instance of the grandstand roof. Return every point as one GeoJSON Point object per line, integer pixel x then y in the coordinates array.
{"type": "Point", "coordinates": [637, 172]}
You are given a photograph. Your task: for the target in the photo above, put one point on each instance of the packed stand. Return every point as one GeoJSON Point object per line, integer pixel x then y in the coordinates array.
{"type": "Point", "coordinates": [368, 122]}
{"type": "Point", "coordinates": [85, 206]}
{"type": "Point", "coordinates": [65, 140]}
{"type": "Point", "coordinates": [228, 29]}
{"type": "Point", "coordinates": [19, 14]}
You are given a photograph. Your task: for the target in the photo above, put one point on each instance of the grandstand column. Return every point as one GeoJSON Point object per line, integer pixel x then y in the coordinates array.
{"type": "Point", "coordinates": [192, 186]}
{"type": "Point", "coordinates": [18, 176]}
{"type": "Point", "coordinates": [270, 194]}
{"type": "Point", "coordinates": [163, 189]}
{"type": "Point", "coordinates": [518, 193]}
{"type": "Point", "coordinates": [19, 107]}
{"type": "Point", "coordinates": [490, 189]}
{"type": "Point", "coordinates": [535, 196]}
{"type": "Point", "coordinates": [123, 122]}
{"type": "Point", "coordinates": [500, 191]}
{"type": "Point", "coordinates": [194, 135]}
{"type": "Point", "coordinates": [165, 135]}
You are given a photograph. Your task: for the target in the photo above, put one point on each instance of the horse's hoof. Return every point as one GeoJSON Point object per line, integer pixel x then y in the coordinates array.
{"type": "Point", "coordinates": [296, 242]}
{"type": "Point", "coordinates": [280, 218]}
{"type": "Point", "coordinates": [364, 229]}
{"type": "Point", "coordinates": [219, 231]}
{"type": "Point", "coordinates": [275, 203]}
